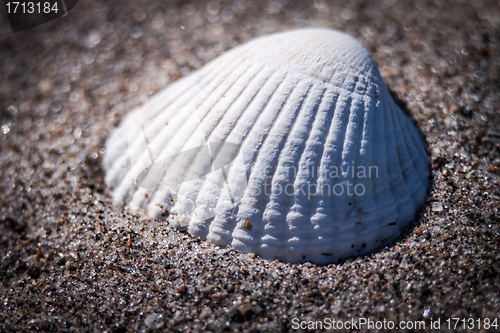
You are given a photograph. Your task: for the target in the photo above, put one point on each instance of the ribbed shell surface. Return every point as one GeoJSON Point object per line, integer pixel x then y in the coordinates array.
{"type": "Point", "coordinates": [304, 114]}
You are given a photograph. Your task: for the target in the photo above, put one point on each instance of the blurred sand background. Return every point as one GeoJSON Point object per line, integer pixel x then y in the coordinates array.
{"type": "Point", "coordinates": [71, 261]}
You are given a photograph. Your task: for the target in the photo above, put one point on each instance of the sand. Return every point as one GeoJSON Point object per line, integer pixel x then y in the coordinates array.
{"type": "Point", "coordinates": [72, 261]}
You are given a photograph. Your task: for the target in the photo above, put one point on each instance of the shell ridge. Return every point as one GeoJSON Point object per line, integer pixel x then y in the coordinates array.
{"type": "Point", "coordinates": [229, 168]}
{"type": "Point", "coordinates": [207, 79]}
{"type": "Point", "coordinates": [283, 141]}
{"type": "Point", "coordinates": [410, 175]}
{"type": "Point", "coordinates": [197, 127]}
{"type": "Point", "coordinates": [191, 89]}
{"type": "Point", "coordinates": [347, 204]}
{"type": "Point", "coordinates": [277, 204]}
{"type": "Point", "coordinates": [225, 114]}
{"type": "Point", "coordinates": [223, 137]}
{"type": "Point", "coordinates": [300, 247]}
{"type": "Point", "coordinates": [378, 157]}
{"type": "Point", "coordinates": [222, 115]}
{"type": "Point", "coordinates": [254, 157]}
{"type": "Point", "coordinates": [117, 143]}
{"type": "Point", "coordinates": [390, 221]}
{"type": "Point", "coordinates": [260, 157]}
{"type": "Point", "coordinates": [130, 173]}
{"type": "Point", "coordinates": [365, 160]}
{"type": "Point", "coordinates": [272, 239]}
{"type": "Point", "coordinates": [129, 120]}
{"type": "Point", "coordinates": [174, 110]}
{"type": "Point", "coordinates": [289, 209]}
{"type": "Point", "coordinates": [248, 108]}
{"type": "Point", "coordinates": [271, 147]}
{"type": "Point", "coordinates": [279, 83]}
{"type": "Point", "coordinates": [417, 147]}
{"type": "Point", "coordinates": [318, 206]}
{"type": "Point", "coordinates": [420, 166]}
{"type": "Point", "coordinates": [352, 134]}
{"type": "Point", "coordinates": [356, 129]}
{"type": "Point", "coordinates": [402, 193]}
{"type": "Point", "coordinates": [332, 156]}
{"type": "Point", "coordinates": [162, 151]}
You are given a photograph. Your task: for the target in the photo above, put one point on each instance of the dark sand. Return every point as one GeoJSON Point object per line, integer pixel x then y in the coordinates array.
{"type": "Point", "coordinates": [71, 261]}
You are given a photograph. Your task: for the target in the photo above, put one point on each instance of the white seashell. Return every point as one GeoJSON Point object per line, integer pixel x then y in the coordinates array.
{"type": "Point", "coordinates": [234, 151]}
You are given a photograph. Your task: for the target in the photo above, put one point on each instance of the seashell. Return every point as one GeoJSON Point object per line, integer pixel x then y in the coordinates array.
{"type": "Point", "coordinates": [288, 146]}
